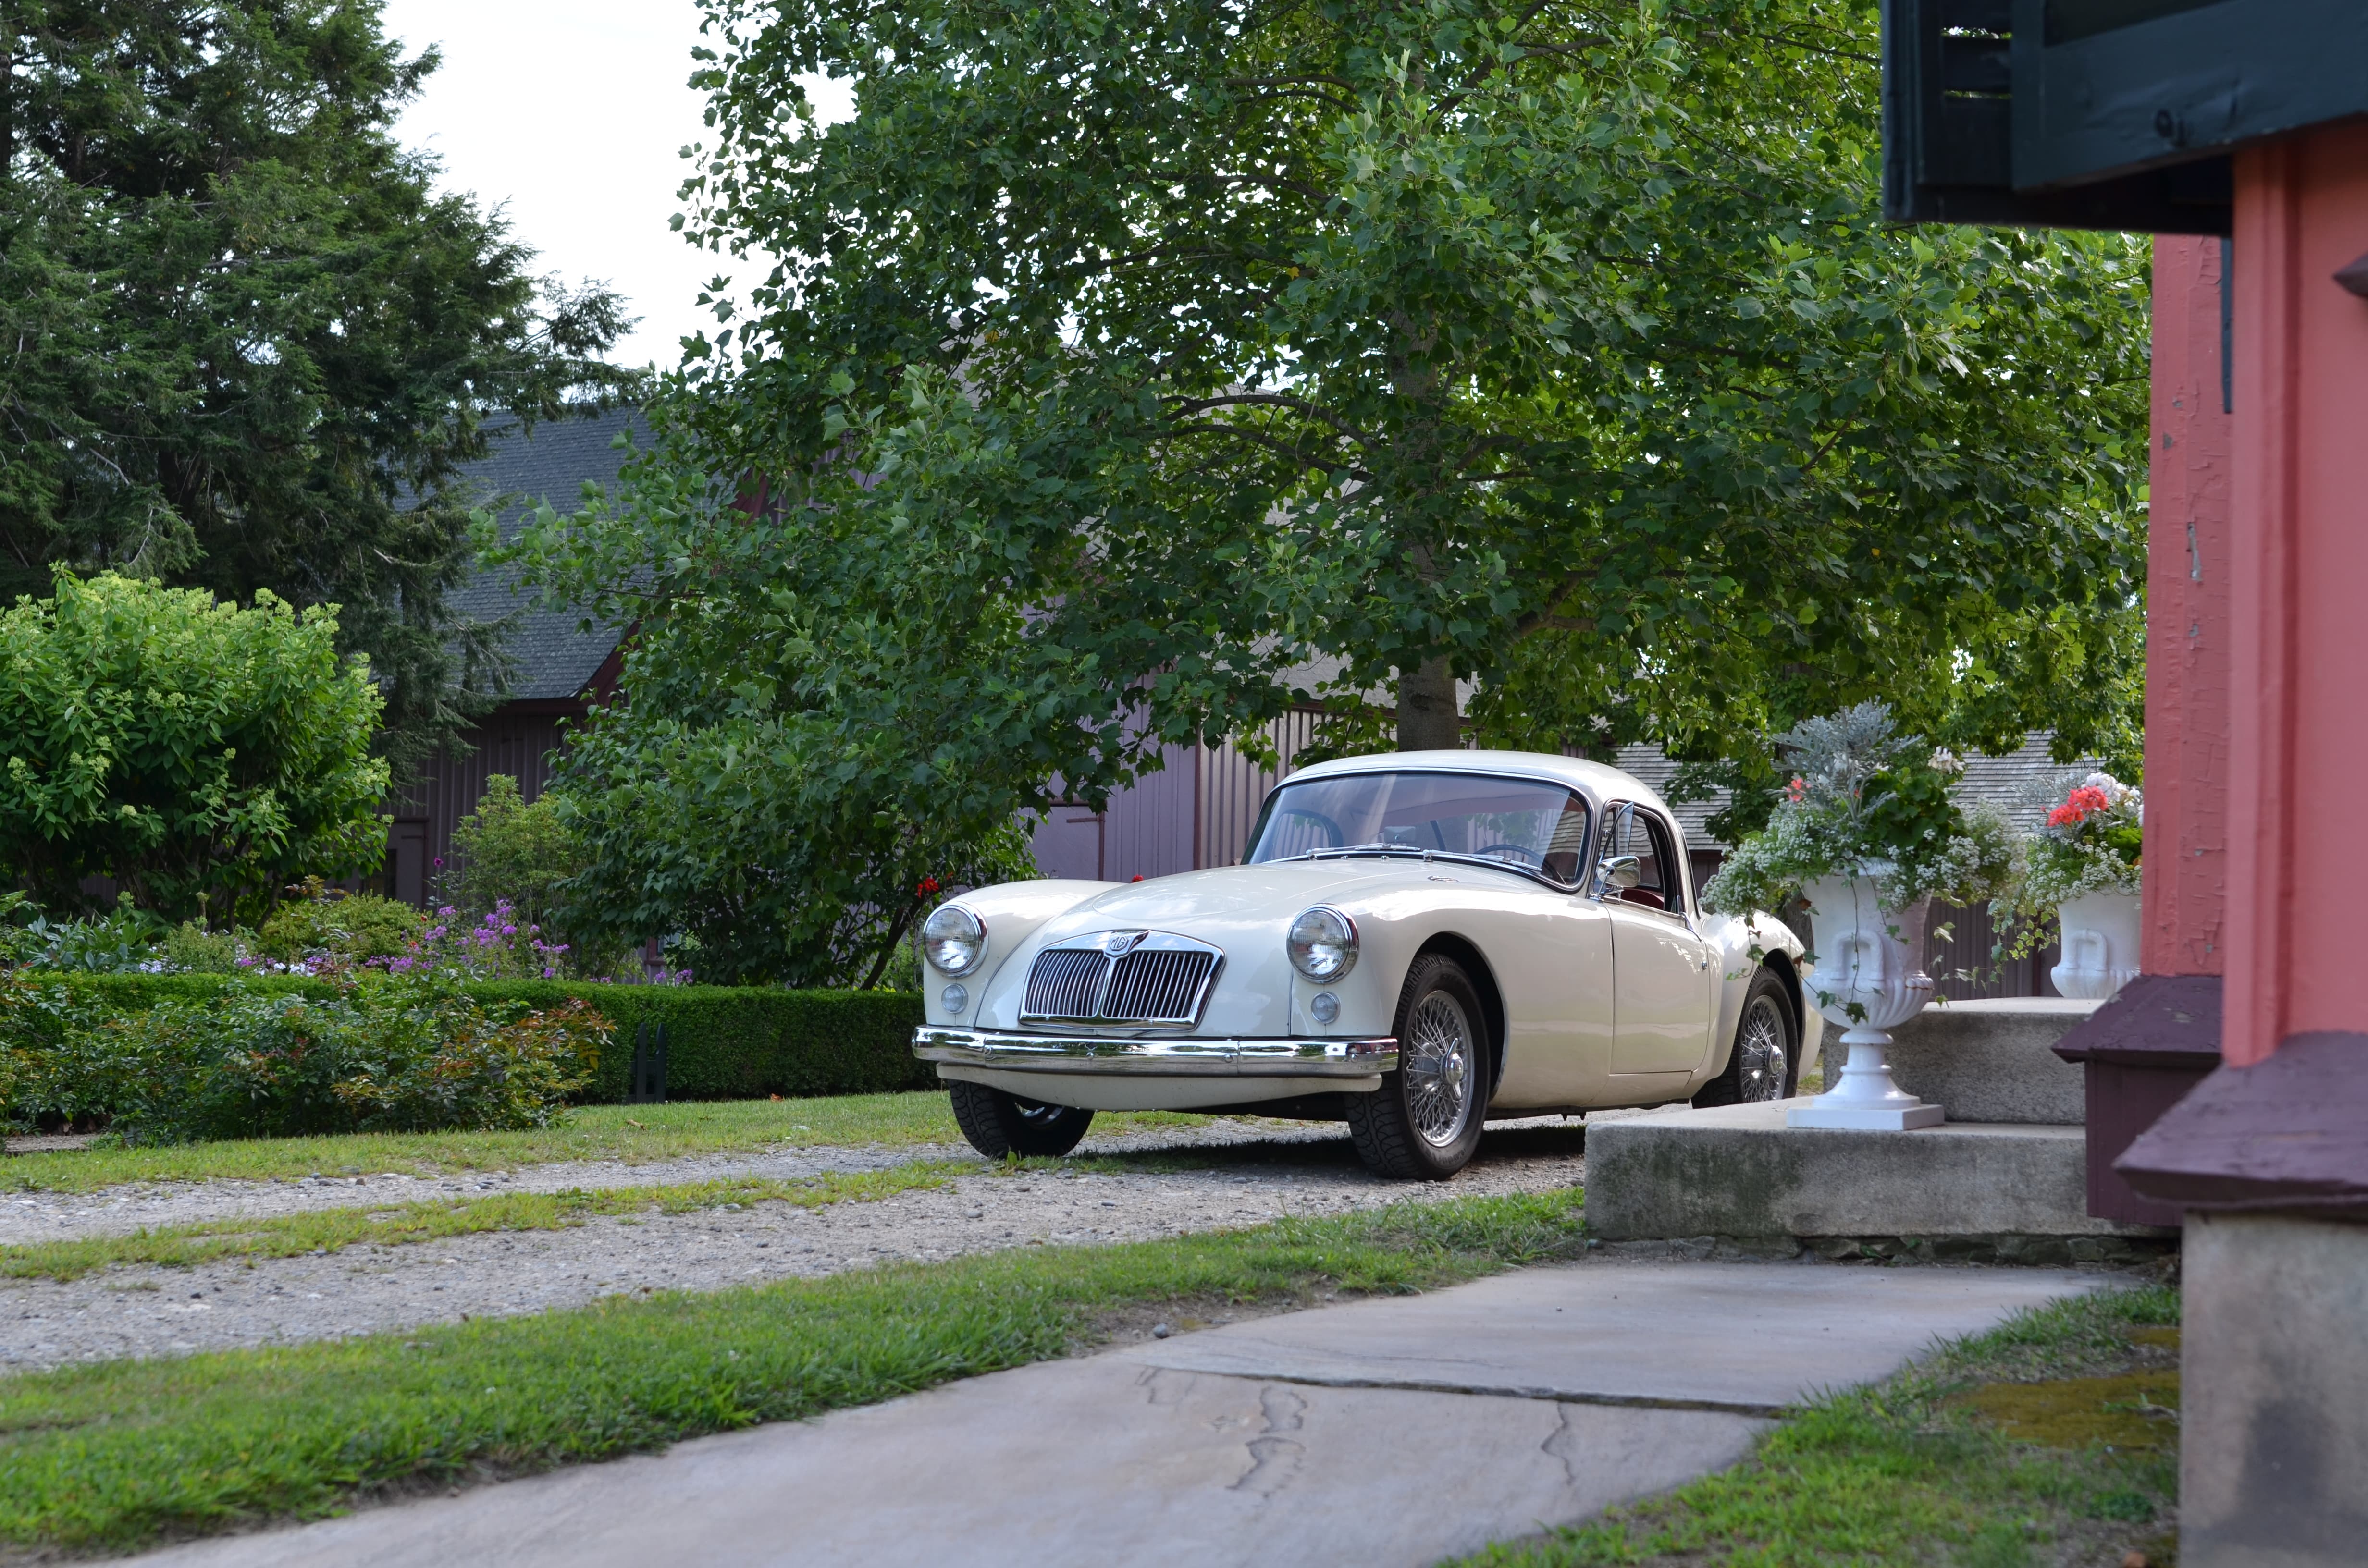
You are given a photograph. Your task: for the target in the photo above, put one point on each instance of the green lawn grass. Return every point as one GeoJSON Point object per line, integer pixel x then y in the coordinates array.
{"type": "Point", "coordinates": [108, 1457]}
{"type": "Point", "coordinates": [635, 1134]}
{"type": "Point", "coordinates": [2052, 1439]}
{"type": "Point", "coordinates": [394, 1224]}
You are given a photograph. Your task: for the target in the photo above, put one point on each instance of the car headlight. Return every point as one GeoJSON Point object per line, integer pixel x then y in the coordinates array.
{"type": "Point", "coordinates": [1322, 943]}
{"type": "Point", "coordinates": [953, 940]}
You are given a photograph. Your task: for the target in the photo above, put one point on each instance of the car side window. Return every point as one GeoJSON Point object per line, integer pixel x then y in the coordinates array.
{"type": "Point", "coordinates": [1567, 844]}
{"type": "Point", "coordinates": [1643, 834]}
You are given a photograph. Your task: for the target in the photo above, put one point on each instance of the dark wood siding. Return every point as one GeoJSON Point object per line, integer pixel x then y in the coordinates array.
{"type": "Point", "coordinates": [519, 739]}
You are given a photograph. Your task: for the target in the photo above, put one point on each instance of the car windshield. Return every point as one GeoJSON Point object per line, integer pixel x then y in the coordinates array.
{"type": "Point", "coordinates": [1538, 827]}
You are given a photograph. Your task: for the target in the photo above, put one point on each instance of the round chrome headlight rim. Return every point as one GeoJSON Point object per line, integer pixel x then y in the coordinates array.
{"type": "Point", "coordinates": [1322, 943]}
{"type": "Point", "coordinates": [953, 940]}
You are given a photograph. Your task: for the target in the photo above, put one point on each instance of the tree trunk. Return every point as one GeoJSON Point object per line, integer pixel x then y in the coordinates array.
{"type": "Point", "coordinates": [1428, 719]}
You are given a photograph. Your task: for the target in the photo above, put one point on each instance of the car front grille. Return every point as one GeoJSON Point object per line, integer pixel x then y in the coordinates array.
{"type": "Point", "coordinates": [1160, 979]}
{"type": "Point", "coordinates": [1066, 983]}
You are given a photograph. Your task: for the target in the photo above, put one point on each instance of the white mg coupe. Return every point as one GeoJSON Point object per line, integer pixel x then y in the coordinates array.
{"type": "Point", "coordinates": [1417, 942]}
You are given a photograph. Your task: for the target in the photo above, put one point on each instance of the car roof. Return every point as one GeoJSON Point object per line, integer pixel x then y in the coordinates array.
{"type": "Point", "coordinates": [1593, 779]}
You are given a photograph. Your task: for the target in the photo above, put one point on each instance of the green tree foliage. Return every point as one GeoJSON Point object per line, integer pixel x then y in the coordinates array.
{"type": "Point", "coordinates": [246, 331]}
{"type": "Point", "coordinates": [780, 830]}
{"type": "Point", "coordinates": [1167, 345]}
{"type": "Point", "coordinates": [193, 751]}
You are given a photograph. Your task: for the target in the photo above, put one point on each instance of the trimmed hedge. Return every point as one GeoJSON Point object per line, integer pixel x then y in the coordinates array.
{"type": "Point", "coordinates": [722, 1042]}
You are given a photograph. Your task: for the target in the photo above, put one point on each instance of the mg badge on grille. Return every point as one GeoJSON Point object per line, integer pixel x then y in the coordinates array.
{"type": "Point", "coordinates": [1119, 943]}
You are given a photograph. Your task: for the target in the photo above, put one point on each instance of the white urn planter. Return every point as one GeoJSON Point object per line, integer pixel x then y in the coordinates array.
{"type": "Point", "coordinates": [1862, 966]}
{"type": "Point", "coordinates": [2100, 945]}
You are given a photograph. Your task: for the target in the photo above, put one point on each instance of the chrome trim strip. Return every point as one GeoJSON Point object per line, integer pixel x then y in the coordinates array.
{"type": "Point", "coordinates": [1177, 1058]}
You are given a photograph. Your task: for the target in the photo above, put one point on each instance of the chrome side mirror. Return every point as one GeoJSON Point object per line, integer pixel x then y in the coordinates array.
{"type": "Point", "coordinates": [1618, 875]}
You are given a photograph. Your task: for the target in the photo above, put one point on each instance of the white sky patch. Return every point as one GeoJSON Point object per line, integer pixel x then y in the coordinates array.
{"type": "Point", "coordinates": [571, 114]}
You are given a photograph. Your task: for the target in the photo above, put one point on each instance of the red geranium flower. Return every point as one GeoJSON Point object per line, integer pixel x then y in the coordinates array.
{"type": "Point", "coordinates": [2078, 807]}
{"type": "Point", "coordinates": [926, 886]}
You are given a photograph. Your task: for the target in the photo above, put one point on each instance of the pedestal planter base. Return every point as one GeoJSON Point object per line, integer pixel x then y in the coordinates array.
{"type": "Point", "coordinates": [1866, 1100]}
{"type": "Point", "coordinates": [1864, 1119]}
{"type": "Point", "coordinates": [1866, 981]}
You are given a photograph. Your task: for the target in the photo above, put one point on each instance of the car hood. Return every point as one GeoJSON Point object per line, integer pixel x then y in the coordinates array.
{"type": "Point", "coordinates": [1264, 899]}
{"type": "Point", "coordinates": [1245, 911]}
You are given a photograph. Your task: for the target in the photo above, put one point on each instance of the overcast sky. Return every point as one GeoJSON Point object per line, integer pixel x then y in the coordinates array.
{"type": "Point", "coordinates": [570, 114]}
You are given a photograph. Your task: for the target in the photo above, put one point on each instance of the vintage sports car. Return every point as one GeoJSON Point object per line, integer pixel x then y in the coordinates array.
{"type": "Point", "coordinates": [1416, 943]}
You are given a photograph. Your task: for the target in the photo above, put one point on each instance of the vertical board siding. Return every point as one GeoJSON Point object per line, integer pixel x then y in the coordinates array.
{"type": "Point", "coordinates": [522, 746]}
{"type": "Point", "coordinates": [1972, 935]}
{"type": "Point", "coordinates": [1234, 787]}
{"type": "Point", "coordinates": [1196, 811]}
{"type": "Point", "coordinates": [1148, 829]}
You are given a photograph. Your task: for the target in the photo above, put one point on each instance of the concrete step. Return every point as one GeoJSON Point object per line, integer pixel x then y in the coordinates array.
{"type": "Point", "coordinates": [1992, 1060]}
{"type": "Point", "coordinates": [1737, 1171]}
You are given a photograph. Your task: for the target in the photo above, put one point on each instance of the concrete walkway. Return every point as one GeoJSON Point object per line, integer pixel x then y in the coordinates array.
{"type": "Point", "coordinates": [1383, 1432]}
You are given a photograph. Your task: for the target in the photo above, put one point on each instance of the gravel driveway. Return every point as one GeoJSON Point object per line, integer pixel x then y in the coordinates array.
{"type": "Point", "coordinates": [1249, 1175]}
{"type": "Point", "coordinates": [118, 1211]}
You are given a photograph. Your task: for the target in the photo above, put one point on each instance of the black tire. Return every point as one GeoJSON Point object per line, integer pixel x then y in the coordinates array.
{"type": "Point", "coordinates": [1423, 1123]}
{"type": "Point", "coordinates": [1764, 1062]}
{"type": "Point", "coordinates": [998, 1124]}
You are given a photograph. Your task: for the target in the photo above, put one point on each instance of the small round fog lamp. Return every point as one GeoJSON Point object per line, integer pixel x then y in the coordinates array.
{"type": "Point", "coordinates": [1325, 1007]}
{"type": "Point", "coordinates": [954, 997]}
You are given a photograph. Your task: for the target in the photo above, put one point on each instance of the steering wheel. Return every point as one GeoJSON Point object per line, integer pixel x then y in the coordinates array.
{"type": "Point", "coordinates": [1521, 850]}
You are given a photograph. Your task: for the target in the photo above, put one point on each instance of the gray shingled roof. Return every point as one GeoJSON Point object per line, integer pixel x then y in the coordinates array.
{"type": "Point", "coordinates": [554, 657]}
{"type": "Point", "coordinates": [1997, 780]}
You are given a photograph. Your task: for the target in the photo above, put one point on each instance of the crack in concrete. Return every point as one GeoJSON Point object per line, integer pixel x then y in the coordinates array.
{"type": "Point", "coordinates": [1510, 1390]}
{"type": "Point", "coordinates": [1274, 1458]}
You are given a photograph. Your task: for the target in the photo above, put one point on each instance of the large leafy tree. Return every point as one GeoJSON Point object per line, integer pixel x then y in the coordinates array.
{"type": "Point", "coordinates": [246, 335]}
{"type": "Point", "coordinates": [1124, 363]}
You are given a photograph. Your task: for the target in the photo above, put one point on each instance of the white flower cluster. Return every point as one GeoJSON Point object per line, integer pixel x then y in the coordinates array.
{"type": "Point", "coordinates": [1834, 821]}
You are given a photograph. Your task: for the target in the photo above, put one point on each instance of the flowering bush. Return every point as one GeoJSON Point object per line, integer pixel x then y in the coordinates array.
{"type": "Point", "coordinates": [498, 946]}
{"type": "Point", "coordinates": [329, 923]}
{"type": "Point", "coordinates": [1867, 802]}
{"type": "Point", "coordinates": [2090, 841]}
{"type": "Point", "coordinates": [381, 1054]}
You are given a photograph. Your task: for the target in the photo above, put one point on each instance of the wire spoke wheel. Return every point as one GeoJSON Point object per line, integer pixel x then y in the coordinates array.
{"type": "Point", "coordinates": [1422, 1122]}
{"type": "Point", "coordinates": [1763, 1069]}
{"type": "Point", "coordinates": [1438, 1059]}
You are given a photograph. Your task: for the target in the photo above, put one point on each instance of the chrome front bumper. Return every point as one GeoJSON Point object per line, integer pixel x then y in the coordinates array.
{"type": "Point", "coordinates": [1173, 1058]}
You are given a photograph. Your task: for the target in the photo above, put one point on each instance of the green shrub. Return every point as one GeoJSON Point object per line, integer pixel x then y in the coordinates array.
{"type": "Point", "coordinates": [189, 749]}
{"type": "Point", "coordinates": [352, 927]}
{"type": "Point", "coordinates": [724, 1042]}
{"type": "Point", "coordinates": [16, 1062]}
{"type": "Point", "coordinates": [508, 850]}
{"type": "Point", "coordinates": [190, 948]}
{"type": "Point", "coordinates": [729, 1042]}
{"type": "Point", "coordinates": [125, 938]}
{"type": "Point", "coordinates": [409, 1055]}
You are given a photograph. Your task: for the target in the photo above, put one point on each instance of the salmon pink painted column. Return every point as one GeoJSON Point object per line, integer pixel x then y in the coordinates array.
{"type": "Point", "coordinates": [2187, 617]}
{"type": "Point", "coordinates": [2297, 820]}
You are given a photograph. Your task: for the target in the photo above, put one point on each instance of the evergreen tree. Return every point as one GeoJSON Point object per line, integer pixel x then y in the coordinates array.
{"type": "Point", "coordinates": [245, 334]}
